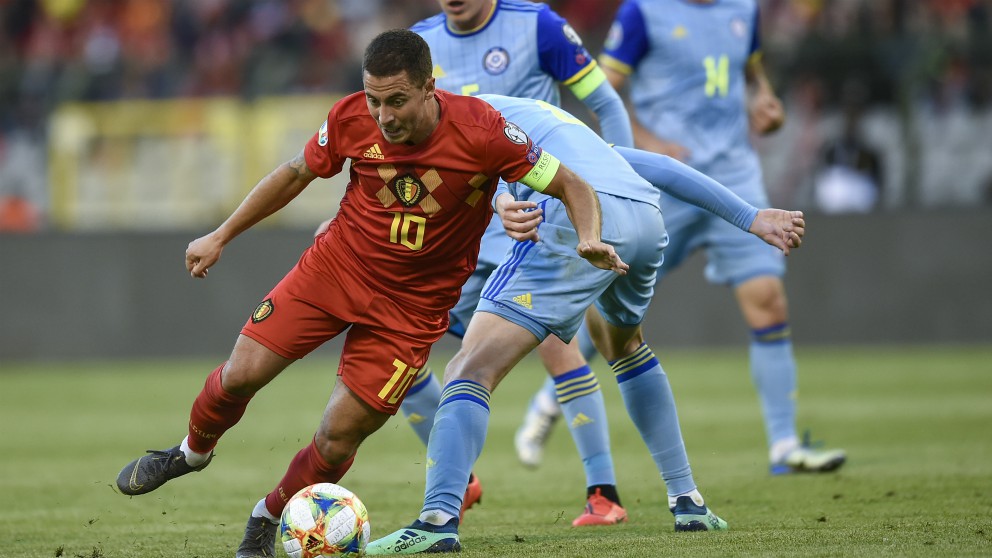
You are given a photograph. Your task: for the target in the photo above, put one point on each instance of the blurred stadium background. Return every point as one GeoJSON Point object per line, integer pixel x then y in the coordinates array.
{"type": "Point", "coordinates": [128, 127]}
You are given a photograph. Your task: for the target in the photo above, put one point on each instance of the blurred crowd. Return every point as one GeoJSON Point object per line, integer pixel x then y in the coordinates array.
{"type": "Point", "coordinates": [927, 55]}
{"type": "Point", "coordinates": [53, 51]}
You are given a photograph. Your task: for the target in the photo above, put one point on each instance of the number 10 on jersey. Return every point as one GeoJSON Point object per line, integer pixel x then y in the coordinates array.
{"type": "Point", "coordinates": [400, 233]}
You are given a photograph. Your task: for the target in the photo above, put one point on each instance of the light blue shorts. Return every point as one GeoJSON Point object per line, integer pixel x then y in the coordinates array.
{"type": "Point", "coordinates": [495, 244]}
{"type": "Point", "coordinates": [733, 256]}
{"type": "Point", "coordinates": [546, 286]}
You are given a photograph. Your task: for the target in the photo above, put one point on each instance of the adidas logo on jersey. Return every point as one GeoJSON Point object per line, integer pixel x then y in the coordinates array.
{"type": "Point", "coordinates": [524, 300]}
{"type": "Point", "coordinates": [373, 152]}
{"type": "Point", "coordinates": [580, 420]}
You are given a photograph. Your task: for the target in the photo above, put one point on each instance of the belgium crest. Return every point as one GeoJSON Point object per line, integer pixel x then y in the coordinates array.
{"type": "Point", "coordinates": [408, 190]}
{"type": "Point", "coordinates": [262, 311]}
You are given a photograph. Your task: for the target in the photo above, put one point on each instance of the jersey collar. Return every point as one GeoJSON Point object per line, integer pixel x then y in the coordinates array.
{"type": "Point", "coordinates": [485, 23]}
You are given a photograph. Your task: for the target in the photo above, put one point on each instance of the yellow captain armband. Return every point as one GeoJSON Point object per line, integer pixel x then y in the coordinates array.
{"type": "Point", "coordinates": [586, 81]}
{"type": "Point", "coordinates": [544, 170]}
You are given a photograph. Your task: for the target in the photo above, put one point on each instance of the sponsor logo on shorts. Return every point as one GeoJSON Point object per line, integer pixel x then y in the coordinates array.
{"type": "Point", "coordinates": [262, 311]}
{"type": "Point", "coordinates": [524, 300]}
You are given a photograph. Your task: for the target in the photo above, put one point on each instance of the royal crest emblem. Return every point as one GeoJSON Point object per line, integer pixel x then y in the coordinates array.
{"type": "Point", "coordinates": [408, 190]}
{"type": "Point", "coordinates": [262, 311]}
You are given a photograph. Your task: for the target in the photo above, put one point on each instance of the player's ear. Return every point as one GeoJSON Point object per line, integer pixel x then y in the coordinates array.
{"type": "Point", "coordinates": [429, 89]}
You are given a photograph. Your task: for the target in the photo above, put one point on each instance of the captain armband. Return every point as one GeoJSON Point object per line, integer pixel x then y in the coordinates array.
{"type": "Point", "coordinates": [544, 170]}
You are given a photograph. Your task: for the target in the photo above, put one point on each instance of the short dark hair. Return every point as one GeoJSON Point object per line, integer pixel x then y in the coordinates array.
{"type": "Point", "coordinates": [399, 50]}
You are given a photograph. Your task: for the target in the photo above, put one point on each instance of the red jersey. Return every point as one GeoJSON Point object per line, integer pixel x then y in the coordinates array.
{"type": "Point", "coordinates": [412, 216]}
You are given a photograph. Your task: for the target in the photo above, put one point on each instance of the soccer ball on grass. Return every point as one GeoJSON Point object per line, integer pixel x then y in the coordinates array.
{"type": "Point", "coordinates": [323, 521]}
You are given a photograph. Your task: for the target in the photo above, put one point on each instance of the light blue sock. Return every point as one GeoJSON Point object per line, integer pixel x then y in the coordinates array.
{"type": "Point", "coordinates": [586, 346]}
{"type": "Point", "coordinates": [773, 370]}
{"type": "Point", "coordinates": [455, 443]}
{"type": "Point", "coordinates": [420, 403]}
{"type": "Point", "coordinates": [581, 402]}
{"type": "Point", "coordinates": [651, 405]}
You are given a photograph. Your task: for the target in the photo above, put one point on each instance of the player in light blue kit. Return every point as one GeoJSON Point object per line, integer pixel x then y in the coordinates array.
{"type": "Point", "coordinates": [524, 49]}
{"type": "Point", "coordinates": [543, 287]}
{"type": "Point", "coordinates": [691, 65]}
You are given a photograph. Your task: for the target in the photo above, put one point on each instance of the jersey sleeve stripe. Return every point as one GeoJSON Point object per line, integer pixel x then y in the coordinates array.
{"type": "Point", "coordinates": [580, 74]}
{"type": "Point", "coordinates": [610, 62]}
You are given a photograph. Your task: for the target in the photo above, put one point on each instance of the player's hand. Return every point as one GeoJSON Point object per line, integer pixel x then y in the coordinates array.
{"type": "Point", "coordinates": [203, 253]}
{"type": "Point", "coordinates": [520, 218]}
{"type": "Point", "coordinates": [322, 228]}
{"type": "Point", "coordinates": [782, 229]}
{"type": "Point", "coordinates": [603, 256]}
{"type": "Point", "coordinates": [765, 113]}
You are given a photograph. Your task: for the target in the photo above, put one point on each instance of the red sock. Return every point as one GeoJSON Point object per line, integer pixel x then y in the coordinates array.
{"type": "Point", "coordinates": [214, 411]}
{"type": "Point", "coordinates": [307, 468]}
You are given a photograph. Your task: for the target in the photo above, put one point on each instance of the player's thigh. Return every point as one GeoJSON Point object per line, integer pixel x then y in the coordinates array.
{"type": "Point", "coordinates": [379, 364]}
{"type": "Point", "coordinates": [491, 348]}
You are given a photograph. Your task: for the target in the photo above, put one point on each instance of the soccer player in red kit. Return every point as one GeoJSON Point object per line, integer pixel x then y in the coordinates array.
{"type": "Point", "coordinates": [424, 166]}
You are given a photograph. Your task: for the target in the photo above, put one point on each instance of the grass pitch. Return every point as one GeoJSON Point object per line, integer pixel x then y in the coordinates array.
{"type": "Point", "coordinates": [915, 421]}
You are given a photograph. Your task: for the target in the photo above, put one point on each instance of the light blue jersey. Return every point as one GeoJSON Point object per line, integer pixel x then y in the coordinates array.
{"type": "Point", "coordinates": [522, 49]}
{"type": "Point", "coordinates": [576, 146]}
{"type": "Point", "coordinates": [686, 62]}
{"type": "Point", "coordinates": [686, 65]}
{"type": "Point", "coordinates": [546, 286]}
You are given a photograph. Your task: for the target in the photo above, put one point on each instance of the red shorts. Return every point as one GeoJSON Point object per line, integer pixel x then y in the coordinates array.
{"type": "Point", "coordinates": [386, 345]}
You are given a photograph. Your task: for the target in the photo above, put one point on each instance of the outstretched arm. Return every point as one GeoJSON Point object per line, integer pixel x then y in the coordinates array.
{"type": "Point", "coordinates": [271, 194]}
{"type": "Point", "coordinates": [782, 229]}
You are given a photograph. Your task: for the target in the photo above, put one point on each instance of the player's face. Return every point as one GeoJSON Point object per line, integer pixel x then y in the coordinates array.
{"type": "Point", "coordinates": [466, 14]}
{"type": "Point", "coordinates": [405, 112]}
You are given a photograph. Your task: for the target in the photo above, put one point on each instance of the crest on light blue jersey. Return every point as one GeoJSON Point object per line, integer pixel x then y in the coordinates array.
{"type": "Point", "coordinates": [496, 60]}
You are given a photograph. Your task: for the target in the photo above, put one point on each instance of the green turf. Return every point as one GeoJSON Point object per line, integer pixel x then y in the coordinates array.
{"type": "Point", "coordinates": [915, 421]}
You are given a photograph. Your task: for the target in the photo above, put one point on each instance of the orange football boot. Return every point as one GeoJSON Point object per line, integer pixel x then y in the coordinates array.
{"type": "Point", "coordinates": [473, 494]}
{"type": "Point", "coordinates": [600, 511]}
